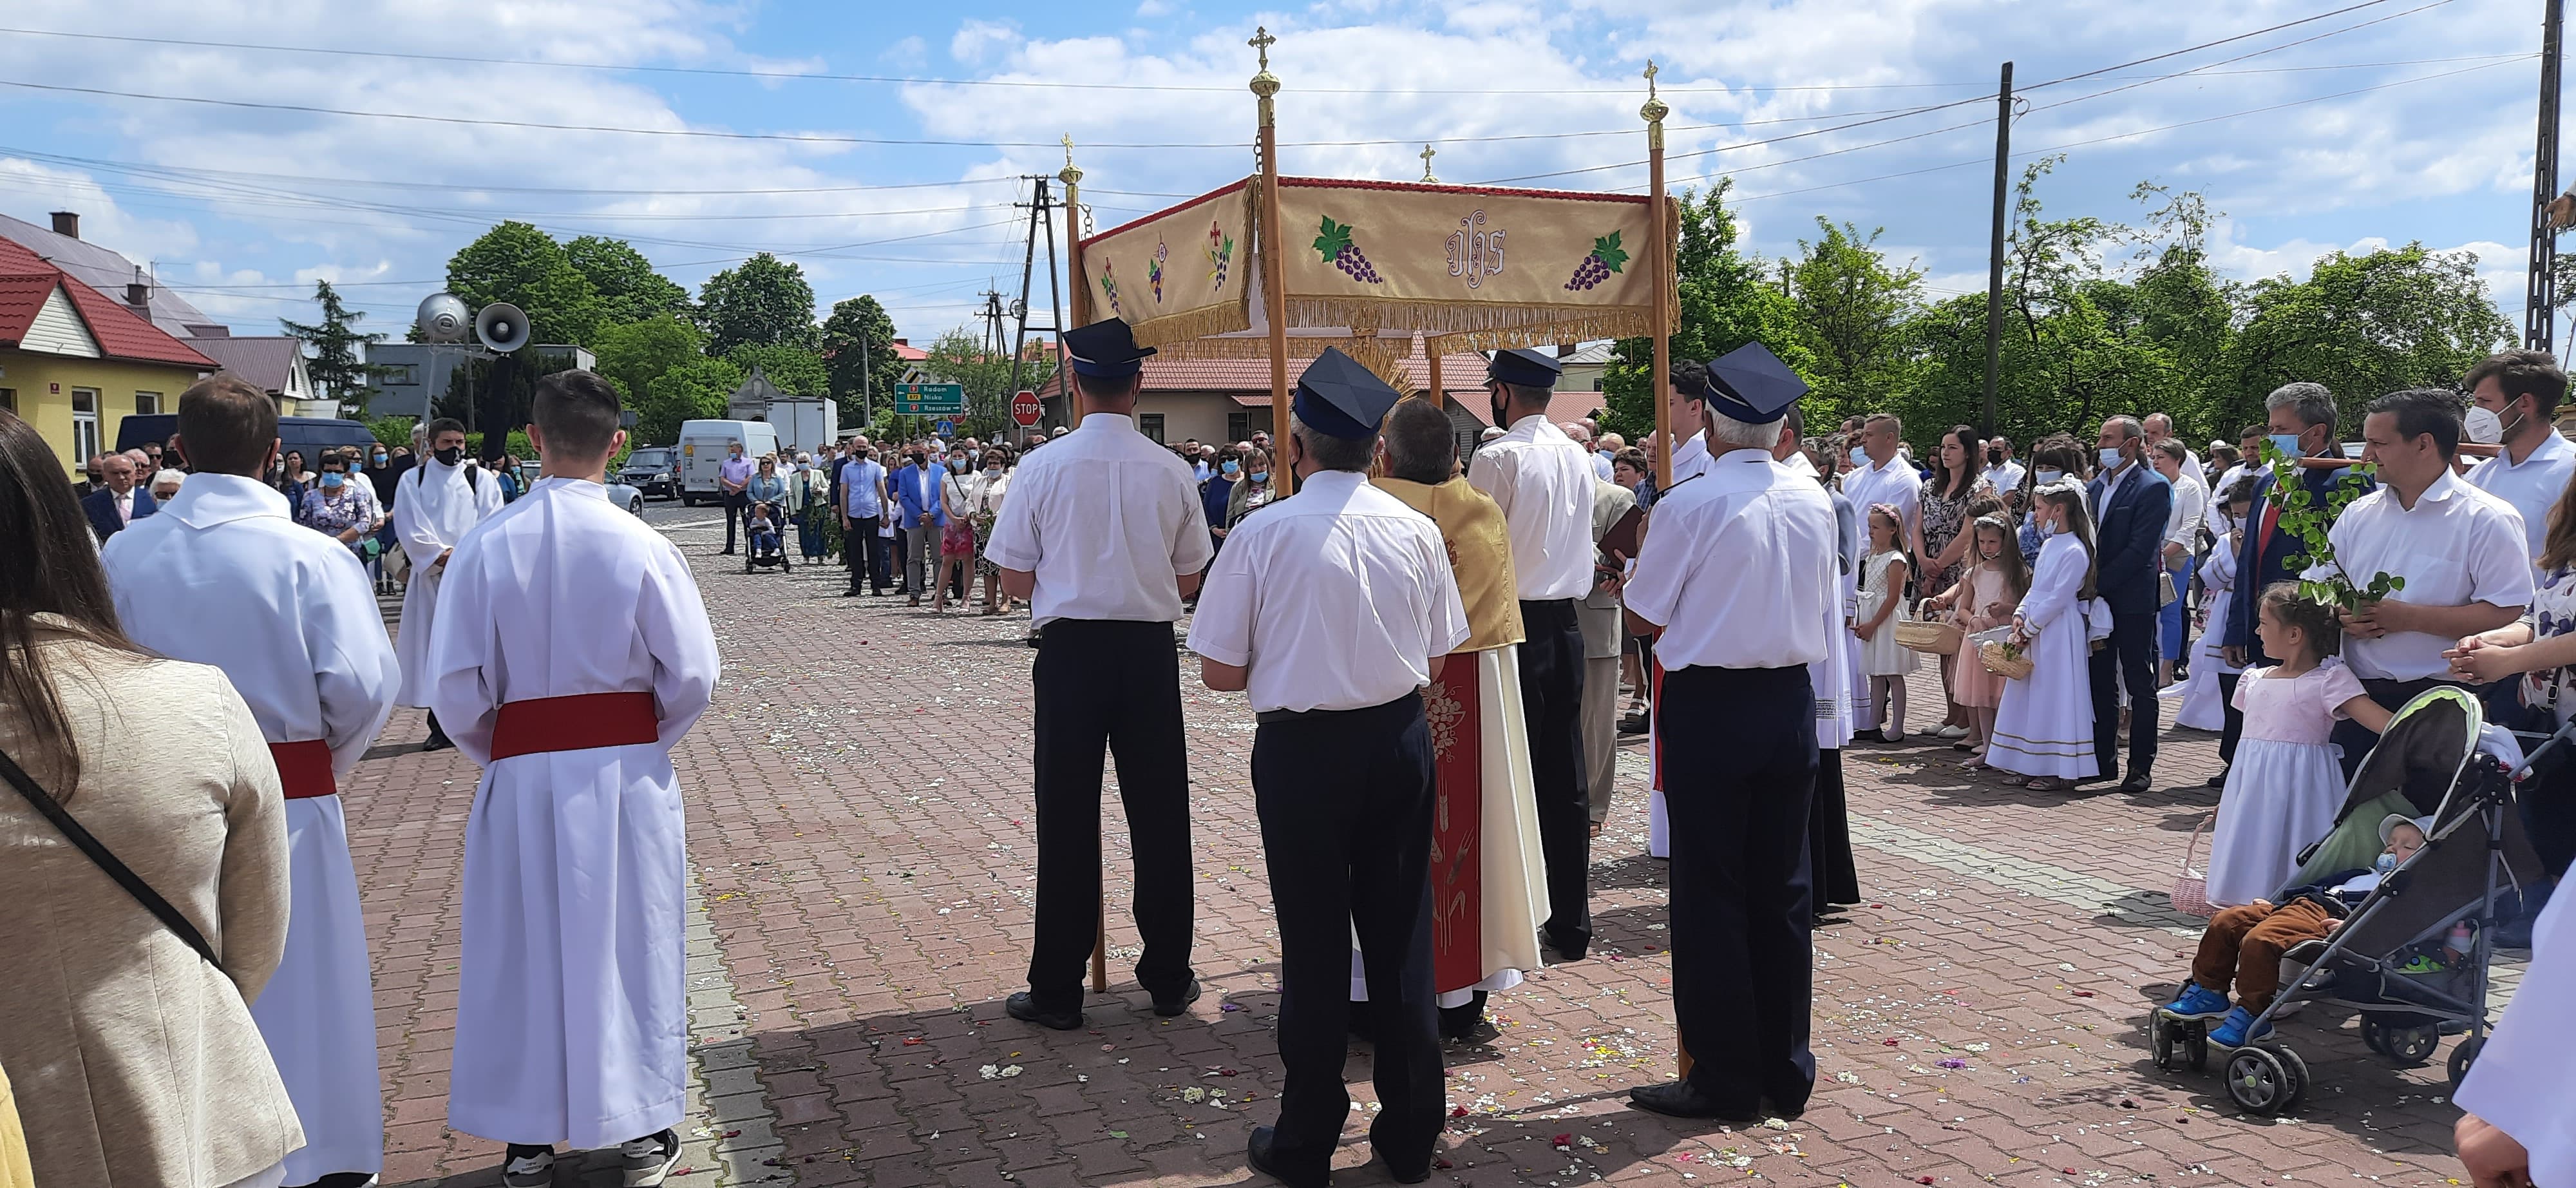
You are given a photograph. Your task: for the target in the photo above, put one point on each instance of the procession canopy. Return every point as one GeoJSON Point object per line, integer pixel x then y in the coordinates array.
{"type": "Point", "coordinates": [1369, 265]}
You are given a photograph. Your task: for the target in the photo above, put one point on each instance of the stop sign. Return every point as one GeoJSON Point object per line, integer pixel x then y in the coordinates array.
{"type": "Point", "coordinates": [1025, 409]}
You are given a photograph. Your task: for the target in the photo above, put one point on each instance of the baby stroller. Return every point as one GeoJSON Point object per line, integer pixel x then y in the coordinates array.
{"type": "Point", "coordinates": [2429, 762]}
{"type": "Point", "coordinates": [768, 547]}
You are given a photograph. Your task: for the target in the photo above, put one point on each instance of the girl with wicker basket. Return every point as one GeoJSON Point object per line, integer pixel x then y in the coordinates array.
{"type": "Point", "coordinates": [2044, 723]}
{"type": "Point", "coordinates": [1882, 599]}
{"type": "Point", "coordinates": [1985, 597]}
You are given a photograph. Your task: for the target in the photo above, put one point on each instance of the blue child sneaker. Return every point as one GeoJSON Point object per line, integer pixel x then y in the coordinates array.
{"type": "Point", "coordinates": [2231, 1032]}
{"type": "Point", "coordinates": [2197, 1002]}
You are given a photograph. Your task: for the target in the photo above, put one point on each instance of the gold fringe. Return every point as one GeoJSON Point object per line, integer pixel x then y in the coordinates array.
{"type": "Point", "coordinates": [1623, 323]}
{"type": "Point", "coordinates": [1252, 347]}
{"type": "Point", "coordinates": [1223, 317]}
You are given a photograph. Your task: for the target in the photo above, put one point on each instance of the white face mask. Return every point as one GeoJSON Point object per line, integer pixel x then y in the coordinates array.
{"type": "Point", "coordinates": [2045, 477]}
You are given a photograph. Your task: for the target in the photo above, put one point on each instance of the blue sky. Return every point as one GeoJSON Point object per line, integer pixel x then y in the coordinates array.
{"type": "Point", "coordinates": [2399, 120]}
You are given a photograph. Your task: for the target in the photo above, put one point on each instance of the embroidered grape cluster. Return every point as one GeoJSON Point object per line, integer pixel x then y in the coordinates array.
{"type": "Point", "coordinates": [1220, 254]}
{"type": "Point", "coordinates": [1607, 257]}
{"type": "Point", "coordinates": [1335, 245]}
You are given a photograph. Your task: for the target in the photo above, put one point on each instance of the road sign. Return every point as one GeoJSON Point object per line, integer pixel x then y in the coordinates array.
{"type": "Point", "coordinates": [1026, 410]}
{"type": "Point", "coordinates": [930, 400]}
{"type": "Point", "coordinates": [945, 428]}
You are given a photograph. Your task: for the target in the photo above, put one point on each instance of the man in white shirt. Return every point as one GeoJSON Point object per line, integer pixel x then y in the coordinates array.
{"type": "Point", "coordinates": [1104, 534]}
{"type": "Point", "coordinates": [1334, 657]}
{"type": "Point", "coordinates": [862, 484]}
{"type": "Point", "coordinates": [1543, 482]}
{"type": "Point", "coordinates": [1880, 474]}
{"type": "Point", "coordinates": [2459, 550]}
{"type": "Point", "coordinates": [1740, 568]}
{"type": "Point", "coordinates": [435, 504]}
{"type": "Point", "coordinates": [2522, 389]}
{"type": "Point", "coordinates": [2001, 470]}
{"type": "Point", "coordinates": [287, 614]}
{"type": "Point", "coordinates": [2182, 539]}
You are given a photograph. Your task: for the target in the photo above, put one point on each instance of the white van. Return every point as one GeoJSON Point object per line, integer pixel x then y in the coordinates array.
{"type": "Point", "coordinates": [704, 445]}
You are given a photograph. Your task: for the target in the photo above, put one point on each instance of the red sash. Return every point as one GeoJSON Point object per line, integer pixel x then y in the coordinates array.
{"type": "Point", "coordinates": [575, 723]}
{"type": "Point", "coordinates": [1452, 708]}
{"type": "Point", "coordinates": [304, 769]}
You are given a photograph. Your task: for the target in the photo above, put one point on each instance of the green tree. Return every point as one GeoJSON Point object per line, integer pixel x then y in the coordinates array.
{"type": "Point", "coordinates": [628, 288]}
{"type": "Point", "coordinates": [2364, 326]}
{"type": "Point", "coordinates": [859, 330]}
{"type": "Point", "coordinates": [517, 263]}
{"type": "Point", "coordinates": [1853, 312]}
{"type": "Point", "coordinates": [695, 390]}
{"type": "Point", "coordinates": [962, 358]}
{"type": "Point", "coordinates": [2185, 309]}
{"type": "Point", "coordinates": [1726, 301]}
{"type": "Point", "coordinates": [797, 370]}
{"type": "Point", "coordinates": [334, 344]}
{"type": "Point", "coordinates": [765, 300]}
{"type": "Point", "coordinates": [631, 354]}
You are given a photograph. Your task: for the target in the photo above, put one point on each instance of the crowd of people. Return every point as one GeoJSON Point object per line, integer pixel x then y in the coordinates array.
{"type": "Point", "coordinates": [1436, 645]}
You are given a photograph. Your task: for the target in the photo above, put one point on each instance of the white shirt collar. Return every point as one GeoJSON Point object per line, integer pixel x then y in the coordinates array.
{"type": "Point", "coordinates": [2443, 488]}
{"type": "Point", "coordinates": [206, 500]}
{"type": "Point", "coordinates": [570, 486]}
{"type": "Point", "coordinates": [1107, 422]}
{"type": "Point", "coordinates": [2551, 446]}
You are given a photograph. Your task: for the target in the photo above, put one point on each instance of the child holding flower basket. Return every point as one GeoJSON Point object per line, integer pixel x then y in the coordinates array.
{"type": "Point", "coordinates": [2044, 725]}
{"type": "Point", "coordinates": [1987, 594]}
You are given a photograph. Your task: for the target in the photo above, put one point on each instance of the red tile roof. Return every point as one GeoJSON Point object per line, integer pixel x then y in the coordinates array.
{"type": "Point", "coordinates": [27, 278]}
{"type": "Point", "coordinates": [1248, 380]}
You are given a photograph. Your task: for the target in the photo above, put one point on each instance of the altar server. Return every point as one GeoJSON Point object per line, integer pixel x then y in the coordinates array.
{"type": "Point", "coordinates": [1488, 881]}
{"type": "Point", "coordinates": [1333, 610]}
{"type": "Point", "coordinates": [435, 504]}
{"type": "Point", "coordinates": [1543, 482]}
{"type": "Point", "coordinates": [2518, 1130]}
{"type": "Point", "coordinates": [1104, 535]}
{"type": "Point", "coordinates": [1739, 568]}
{"type": "Point", "coordinates": [571, 654]}
{"type": "Point", "coordinates": [221, 576]}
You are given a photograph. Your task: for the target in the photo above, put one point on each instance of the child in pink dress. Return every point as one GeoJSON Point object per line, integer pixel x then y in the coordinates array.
{"type": "Point", "coordinates": [1986, 596]}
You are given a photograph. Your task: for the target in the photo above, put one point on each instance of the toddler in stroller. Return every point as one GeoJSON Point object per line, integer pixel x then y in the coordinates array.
{"type": "Point", "coordinates": [767, 547]}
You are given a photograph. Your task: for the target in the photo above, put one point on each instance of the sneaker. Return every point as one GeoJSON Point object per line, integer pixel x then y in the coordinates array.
{"type": "Point", "coordinates": [649, 1160]}
{"type": "Point", "coordinates": [2197, 1002]}
{"type": "Point", "coordinates": [2231, 1030]}
{"type": "Point", "coordinates": [524, 1166]}
{"type": "Point", "coordinates": [1951, 732]}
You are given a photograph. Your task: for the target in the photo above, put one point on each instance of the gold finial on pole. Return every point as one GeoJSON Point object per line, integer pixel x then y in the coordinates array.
{"type": "Point", "coordinates": [1071, 174]}
{"type": "Point", "coordinates": [1428, 152]}
{"type": "Point", "coordinates": [1264, 84]}
{"type": "Point", "coordinates": [1655, 109]}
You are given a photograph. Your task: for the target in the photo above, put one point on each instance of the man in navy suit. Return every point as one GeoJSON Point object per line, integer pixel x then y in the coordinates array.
{"type": "Point", "coordinates": [2130, 504]}
{"type": "Point", "coordinates": [117, 503]}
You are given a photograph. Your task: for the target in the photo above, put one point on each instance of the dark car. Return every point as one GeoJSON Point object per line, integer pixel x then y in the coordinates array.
{"type": "Point", "coordinates": [306, 435]}
{"type": "Point", "coordinates": [653, 470]}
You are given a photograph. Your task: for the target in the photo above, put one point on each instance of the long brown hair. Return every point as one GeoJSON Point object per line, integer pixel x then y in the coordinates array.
{"type": "Point", "coordinates": [47, 566]}
{"type": "Point", "coordinates": [2008, 562]}
{"type": "Point", "coordinates": [2558, 549]}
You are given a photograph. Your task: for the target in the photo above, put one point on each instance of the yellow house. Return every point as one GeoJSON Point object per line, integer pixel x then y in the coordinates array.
{"type": "Point", "coordinates": [75, 363]}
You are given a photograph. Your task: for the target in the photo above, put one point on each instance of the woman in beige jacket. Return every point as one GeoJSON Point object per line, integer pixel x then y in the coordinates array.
{"type": "Point", "coordinates": [135, 1062]}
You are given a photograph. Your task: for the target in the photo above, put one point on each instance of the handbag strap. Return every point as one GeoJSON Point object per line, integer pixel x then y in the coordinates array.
{"type": "Point", "coordinates": [2192, 847]}
{"type": "Point", "coordinates": [98, 853]}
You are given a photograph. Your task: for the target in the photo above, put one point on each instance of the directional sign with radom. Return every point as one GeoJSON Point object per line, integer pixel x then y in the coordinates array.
{"type": "Point", "coordinates": [930, 400]}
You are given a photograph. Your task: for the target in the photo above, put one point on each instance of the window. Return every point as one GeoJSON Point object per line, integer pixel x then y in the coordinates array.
{"type": "Point", "coordinates": [147, 403]}
{"type": "Point", "coordinates": [84, 423]}
{"type": "Point", "coordinates": [1151, 425]}
{"type": "Point", "coordinates": [9, 399]}
{"type": "Point", "coordinates": [1238, 426]}
{"type": "Point", "coordinates": [397, 374]}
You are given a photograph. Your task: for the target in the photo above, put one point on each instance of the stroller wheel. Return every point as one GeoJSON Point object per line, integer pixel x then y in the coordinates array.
{"type": "Point", "coordinates": [2410, 1047]}
{"type": "Point", "coordinates": [2195, 1042]}
{"type": "Point", "coordinates": [2264, 1082]}
{"type": "Point", "coordinates": [2463, 1054]}
{"type": "Point", "coordinates": [2373, 1035]}
{"type": "Point", "coordinates": [2160, 1038]}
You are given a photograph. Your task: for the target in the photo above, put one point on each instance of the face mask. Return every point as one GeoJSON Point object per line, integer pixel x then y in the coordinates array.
{"type": "Point", "coordinates": [450, 455]}
{"type": "Point", "coordinates": [1859, 456]}
{"type": "Point", "coordinates": [332, 481]}
{"type": "Point", "coordinates": [975, 454]}
{"type": "Point", "coordinates": [992, 472]}
{"type": "Point", "coordinates": [2045, 477]}
{"type": "Point", "coordinates": [2287, 443]}
{"type": "Point", "coordinates": [380, 457]}
{"type": "Point", "coordinates": [1994, 457]}
{"type": "Point", "coordinates": [957, 464]}
{"type": "Point", "coordinates": [1227, 467]}
{"type": "Point", "coordinates": [1261, 476]}
{"type": "Point", "coordinates": [2110, 456]}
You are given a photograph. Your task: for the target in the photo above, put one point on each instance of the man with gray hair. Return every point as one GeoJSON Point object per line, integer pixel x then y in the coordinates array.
{"type": "Point", "coordinates": [2131, 505]}
{"type": "Point", "coordinates": [2302, 419]}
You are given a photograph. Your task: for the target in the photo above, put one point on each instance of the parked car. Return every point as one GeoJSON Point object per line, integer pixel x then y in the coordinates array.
{"type": "Point", "coordinates": [621, 494]}
{"type": "Point", "coordinates": [654, 470]}
{"type": "Point", "coordinates": [704, 446]}
{"type": "Point", "coordinates": [308, 436]}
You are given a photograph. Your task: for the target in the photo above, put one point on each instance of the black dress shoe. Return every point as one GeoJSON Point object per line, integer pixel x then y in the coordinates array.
{"type": "Point", "coordinates": [1678, 1099]}
{"type": "Point", "coordinates": [1175, 1005]}
{"type": "Point", "coordinates": [1259, 1153]}
{"type": "Point", "coordinates": [1464, 1021]}
{"type": "Point", "coordinates": [1023, 1007]}
{"type": "Point", "coordinates": [2216, 781]}
{"type": "Point", "coordinates": [1567, 950]}
{"type": "Point", "coordinates": [437, 742]}
{"type": "Point", "coordinates": [1414, 1176]}
{"type": "Point", "coordinates": [2138, 781]}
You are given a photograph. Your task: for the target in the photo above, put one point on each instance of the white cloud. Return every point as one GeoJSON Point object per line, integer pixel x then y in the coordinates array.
{"type": "Point", "coordinates": [977, 40]}
{"type": "Point", "coordinates": [1154, 8]}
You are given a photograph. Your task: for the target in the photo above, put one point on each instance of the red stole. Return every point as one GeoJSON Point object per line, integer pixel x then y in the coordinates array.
{"type": "Point", "coordinates": [1454, 710]}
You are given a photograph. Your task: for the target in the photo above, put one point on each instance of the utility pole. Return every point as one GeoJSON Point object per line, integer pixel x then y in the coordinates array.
{"type": "Point", "coordinates": [867, 394]}
{"type": "Point", "coordinates": [2540, 292]}
{"type": "Point", "coordinates": [1041, 207]}
{"type": "Point", "coordinates": [1995, 258]}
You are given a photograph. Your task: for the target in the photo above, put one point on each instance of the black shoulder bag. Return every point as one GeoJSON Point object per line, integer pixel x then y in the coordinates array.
{"type": "Point", "coordinates": [116, 869]}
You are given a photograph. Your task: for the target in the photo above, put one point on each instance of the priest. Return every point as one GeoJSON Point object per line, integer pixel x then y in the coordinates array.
{"type": "Point", "coordinates": [1488, 874]}
{"type": "Point", "coordinates": [571, 653]}
{"type": "Point", "coordinates": [221, 576]}
{"type": "Point", "coordinates": [435, 504]}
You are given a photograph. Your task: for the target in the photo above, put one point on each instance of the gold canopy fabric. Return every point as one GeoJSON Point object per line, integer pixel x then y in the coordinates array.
{"type": "Point", "coordinates": [1469, 268]}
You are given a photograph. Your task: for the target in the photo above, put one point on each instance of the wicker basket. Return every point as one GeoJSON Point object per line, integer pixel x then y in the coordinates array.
{"type": "Point", "coordinates": [1934, 636]}
{"type": "Point", "coordinates": [2005, 664]}
{"type": "Point", "coordinates": [2191, 883]}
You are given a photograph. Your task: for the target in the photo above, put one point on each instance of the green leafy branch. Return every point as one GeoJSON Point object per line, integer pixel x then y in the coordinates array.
{"type": "Point", "coordinates": [2312, 526]}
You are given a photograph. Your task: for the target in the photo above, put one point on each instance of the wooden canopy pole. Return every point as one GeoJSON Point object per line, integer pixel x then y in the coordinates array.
{"type": "Point", "coordinates": [1274, 267]}
{"type": "Point", "coordinates": [1654, 112]}
{"type": "Point", "coordinates": [1078, 289]}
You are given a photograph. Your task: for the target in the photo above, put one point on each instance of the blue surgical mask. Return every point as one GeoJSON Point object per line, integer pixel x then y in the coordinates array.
{"type": "Point", "coordinates": [2045, 477]}
{"type": "Point", "coordinates": [380, 457]}
{"type": "Point", "coordinates": [957, 464]}
{"type": "Point", "coordinates": [332, 479]}
{"type": "Point", "coordinates": [1859, 456]}
{"type": "Point", "coordinates": [2287, 443]}
{"type": "Point", "coordinates": [992, 472]}
{"type": "Point", "coordinates": [2110, 456]}
{"type": "Point", "coordinates": [1228, 467]}
{"type": "Point", "coordinates": [1261, 476]}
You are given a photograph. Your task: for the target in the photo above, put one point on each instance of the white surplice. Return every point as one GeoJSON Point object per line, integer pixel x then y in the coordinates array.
{"type": "Point", "coordinates": [221, 576]}
{"type": "Point", "coordinates": [571, 1014]}
{"type": "Point", "coordinates": [2522, 1080]}
{"type": "Point", "coordinates": [434, 507]}
{"type": "Point", "coordinates": [2044, 727]}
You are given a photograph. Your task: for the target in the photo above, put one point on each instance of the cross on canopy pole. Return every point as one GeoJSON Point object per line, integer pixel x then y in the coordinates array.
{"type": "Point", "coordinates": [1274, 267]}
{"type": "Point", "coordinates": [1662, 254]}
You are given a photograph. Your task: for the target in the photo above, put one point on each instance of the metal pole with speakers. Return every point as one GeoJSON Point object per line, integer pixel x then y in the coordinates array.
{"type": "Point", "coordinates": [502, 329]}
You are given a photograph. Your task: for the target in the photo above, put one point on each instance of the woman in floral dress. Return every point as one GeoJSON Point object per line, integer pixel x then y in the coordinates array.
{"type": "Point", "coordinates": [1958, 477]}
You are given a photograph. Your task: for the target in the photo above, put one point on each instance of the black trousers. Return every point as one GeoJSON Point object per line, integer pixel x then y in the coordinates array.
{"type": "Point", "coordinates": [1738, 795]}
{"type": "Point", "coordinates": [2128, 656]}
{"type": "Point", "coordinates": [2356, 739]}
{"type": "Point", "coordinates": [1551, 664]}
{"type": "Point", "coordinates": [1112, 684]}
{"type": "Point", "coordinates": [737, 506]}
{"type": "Point", "coordinates": [2232, 720]}
{"type": "Point", "coordinates": [1345, 801]}
{"type": "Point", "coordinates": [864, 552]}
{"type": "Point", "coordinates": [1829, 851]}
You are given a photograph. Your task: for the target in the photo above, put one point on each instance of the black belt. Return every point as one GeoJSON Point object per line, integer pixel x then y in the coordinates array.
{"type": "Point", "coordinates": [1277, 716]}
